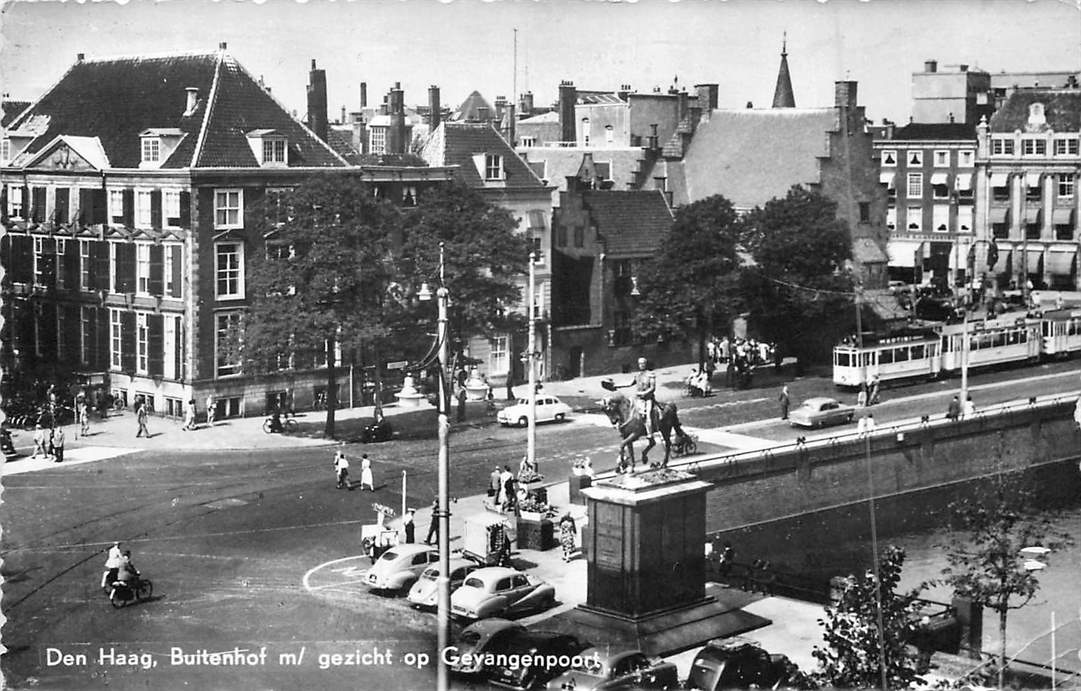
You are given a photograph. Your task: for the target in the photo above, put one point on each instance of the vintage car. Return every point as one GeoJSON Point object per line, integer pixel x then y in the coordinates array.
{"type": "Point", "coordinates": [821, 411]}
{"type": "Point", "coordinates": [478, 640]}
{"type": "Point", "coordinates": [548, 408]}
{"type": "Point", "coordinates": [425, 592]}
{"type": "Point", "coordinates": [399, 567]}
{"type": "Point", "coordinates": [739, 663]}
{"type": "Point", "coordinates": [626, 670]}
{"type": "Point", "coordinates": [547, 654]}
{"type": "Point", "coordinates": [500, 591]}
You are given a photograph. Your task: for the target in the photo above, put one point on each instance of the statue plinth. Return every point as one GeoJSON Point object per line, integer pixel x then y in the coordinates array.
{"type": "Point", "coordinates": [409, 397]}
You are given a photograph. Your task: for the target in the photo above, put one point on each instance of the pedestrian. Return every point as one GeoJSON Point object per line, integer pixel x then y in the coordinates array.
{"type": "Point", "coordinates": [872, 395]}
{"type": "Point", "coordinates": [189, 416]}
{"type": "Point", "coordinates": [568, 532]}
{"type": "Point", "coordinates": [58, 444]}
{"type": "Point", "coordinates": [1077, 413]}
{"type": "Point", "coordinates": [366, 480]}
{"type": "Point", "coordinates": [83, 413]}
{"type": "Point", "coordinates": [409, 526]}
{"type": "Point", "coordinates": [433, 527]}
{"type": "Point", "coordinates": [461, 404]}
{"type": "Point", "coordinates": [494, 483]}
{"type": "Point", "coordinates": [140, 419]}
{"type": "Point", "coordinates": [506, 479]}
{"type": "Point", "coordinates": [785, 401]}
{"type": "Point", "coordinates": [954, 410]}
{"type": "Point", "coordinates": [968, 408]}
{"type": "Point", "coordinates": [341, 470]}
{"type": "Point", "coordinates": [39, 442]}
{"type": "Point", "coordinates": [866, 425]}
{"type": "Point", "coordinates": [211, 409]}
{"type": "Point", "coordinates": [861, 397]}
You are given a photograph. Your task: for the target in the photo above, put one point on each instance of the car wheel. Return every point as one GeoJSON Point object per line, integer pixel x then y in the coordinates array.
{"type": "Point", "coordinates": [849, 419]}
{"type": "Point", "coordinates": [523, 422]}
{"type": "Point", "coordinates": [560, 417]}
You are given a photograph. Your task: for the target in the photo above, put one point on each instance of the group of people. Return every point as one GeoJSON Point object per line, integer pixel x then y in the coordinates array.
{"type": "Point", "coordinates": [698, 383]}
{"type": "Point", "coordinates": [341, 471]}
{"type": "Point", "coordinates": [118, 568]}
{"type": "Point", "coordinates": [960, 410]}
{"type": "Point", "coordinates": [190, 413]}
{"type": "Point", "coordinates": [49, 443]}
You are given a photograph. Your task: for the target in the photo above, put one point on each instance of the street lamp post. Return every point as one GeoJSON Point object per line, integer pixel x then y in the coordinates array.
{"type": "Point", "coordinates": [531, 436]}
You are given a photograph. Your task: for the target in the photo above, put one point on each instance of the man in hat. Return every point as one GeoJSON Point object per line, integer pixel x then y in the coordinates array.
{"type": "Point", "coordinates": [39, 442]}
{"type": "Point", "coordinates": [341, 470]}
{"type": "Point", "coordinates": [409, 526]}
{"type": "Point", "coordinates": [58, 444]}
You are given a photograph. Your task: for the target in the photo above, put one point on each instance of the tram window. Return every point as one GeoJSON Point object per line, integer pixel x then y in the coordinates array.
{"type": "Point", "coordinates": [885, 357]}
{"type": "Point", "coordinates": [974, 343]}
{"type": "Point", "coordinates": [917, 352]}
{"type": "Point", "coordinates": [900, 355]}
{"type": "Point", "coordinates": [1023, 336]}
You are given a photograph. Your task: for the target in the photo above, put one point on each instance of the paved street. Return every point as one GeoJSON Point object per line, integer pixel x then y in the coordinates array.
{"type": "Point", "coordinates": [228, 535]}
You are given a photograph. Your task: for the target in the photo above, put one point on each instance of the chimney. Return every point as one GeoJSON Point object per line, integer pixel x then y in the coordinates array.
{"type": "Point", "coordinates": [363, 95]}
{"type": "Point", "coordinates": [359, 132]}
{"type": "Point", "coordinates": [80, 57]}
{"type": "Point", "coordinates": [930, 66]}
{"type": "Point", "coordinates": [317, 101]}
{"type": "Point", "coordinates": [500, 108]}
{"type": "Point", "coordinates": [707, 96]}
{"type": "Point", "coordinates": [681, 104]}
{"type": "Point", "coordinates": [193, 100]}
{"type": "Point", "coordinates": [654, 140]}
{"type": "Point", "coordinates": [844, 94]}
{"type": "Point", "coordinates": [624, 91]}
{"type": "Point", "coordinates": [526, 102]}
{"type": "Point", "coordinates": [483, 115]}
{"type": "Point", "coordinates": [342, 121]}
{"type": "Point", "coordinates": [750, 105]}
{"type": "Point", "coordinates": [398, 139]}
{"type": "Point", "coordinates": [434, 113]}
{"type": "Point", "coordinates": [963, 67]}
{"type": "Point", "coordinates": [223, 46]}
{"type": "Point", "coordinates": [568, 98]}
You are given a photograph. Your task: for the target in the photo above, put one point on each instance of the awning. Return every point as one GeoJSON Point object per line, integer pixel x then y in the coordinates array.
{"type": "Point", "coordinates": [999, 214]}
{"type": "Point", "coordinates": [1035, 261]}
{"type": "Point", "coordinates": [964, 182]}
{"type": "Point", "coordinates": [999, 179]}
{"type": "Point", "coordinates": [903, 253]}
{"type": "Point", "coordinates": [1032, 179]}
{"type": "Point", "coordinates": [1062, 217]}
{"type": "Point", "coordinates": [939, 178]}
{"type": "Point", "coordinates": [1032, 215]}
{"type": "Point", "coordinates": [887, 179]}
{"type": "Point", "coordinates": [1004, 265]}
{"type": "Point", "coordinates": [1061, 263]}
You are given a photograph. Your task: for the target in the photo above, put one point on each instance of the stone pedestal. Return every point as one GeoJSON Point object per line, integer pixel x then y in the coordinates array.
{"type": "Point", "coordinates": [409, 397]}
{"type": "Point", "coordinates": [576, 484]}
{"type": "Point", "coordinates": [536, 534]}
{"type": "Point", "coordinates": [475, 387]}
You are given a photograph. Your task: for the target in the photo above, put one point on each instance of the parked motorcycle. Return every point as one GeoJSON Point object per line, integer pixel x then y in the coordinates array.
{"type": "Point", "coordinates": [121, 593]}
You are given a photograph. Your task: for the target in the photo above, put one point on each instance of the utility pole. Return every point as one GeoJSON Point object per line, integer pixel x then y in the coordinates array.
{"type": "Point", "coordinates": [443, 508]}
{"type": "Point", "coordinates": [531, 436]}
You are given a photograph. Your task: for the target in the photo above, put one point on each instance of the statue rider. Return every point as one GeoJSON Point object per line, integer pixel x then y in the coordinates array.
{"type": "Point", "coordinates": [645, 385]}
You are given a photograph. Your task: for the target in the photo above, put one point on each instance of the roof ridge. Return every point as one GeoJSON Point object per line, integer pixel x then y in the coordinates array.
{"type": "Point", "coordinates": [18, 121]}
{"type": "Point", "coordinates": [210, 99]}
{"type": "Point", "coordinates": [151, 56]}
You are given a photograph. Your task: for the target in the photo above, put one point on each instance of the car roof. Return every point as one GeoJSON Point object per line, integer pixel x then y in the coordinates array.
{"type": "Point", "coordinates": [455, 563]}
{"type": "Point", "coordinates": [410, 549]}
{"type": "Point", "coordinates": [819, 400]}
{"type": "Point", "coordinates": [493, 572]}
{"type": "Point", "coordinates": [609, 658]}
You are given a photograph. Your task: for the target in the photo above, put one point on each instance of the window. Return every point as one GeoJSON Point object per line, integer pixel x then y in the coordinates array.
{"type": "Point", "coordinates": [1065, 185]}
{"type": "Point", "coordinates": [143, 217]}
{"type": "Point", "coordinates": [1033, 189]}
{"type": "Point", "coordinates": [170, 208]}
{"type": "Point", "coordinates": [39, 317]}
{"type": "Point", "coordinates": [274, 151]}
{"type": "Point", "coordinates": [891, 218]}
{"type": "Point", "coordinates": [169, 342]}
{"type": "Point", "coordinates": [889, 158]}
{"type": "Point", "coordinates": [940, 221]}
{"type": "Point", "coordinates": [1002, 147]}
{"type": "Point", "coordinates": [39, 261]}
{"type": "Point", "coordinates": [116, 206]}
{"type": "Point", "coordinates": [142, 268]}
{"type": "Point", "coordinates": [493, 167]}
{"type": "Point", "coordinates": [377, 140]}
{"type": "Point", "coordinates": [1066, 147]}
{"type": "Point", "coordinates": [940, 189]}
{"type": "Point", "coordinates": [115, 339]}
{"type": "Point", "coordinates": [15, 201]}
{"type": "Point", "coordinates": [915, 158]}
{"type": "Point", "coordinates": [964, 219]}
{"type": "Point", "coordinates": [528, 141]}
{"type": "Point", "coordinates": [1031, 146]}
{"type": "Point", "coordinates": [966, 158]}
{"type": "Point", "coordinates": [227, 344]}
{"type": "Point", "coordinates": [942, 159]}
{"type": "Point", "coordinates": [151, 149]}
{"type": "Point", "coordinates": [84, 265]}
{"type": "Point", "coordinates": [227, 209]}
{"type": "Point", "coordinates": [142, 344]}
{"type": "Point", "coordinates": [1000, 193]}
{"type": "Point", "coordinates": [585, 131]}
{"type": "Point", "coordinates": [561, 235]}
{"type": "Point", "coordinates": [86, 319]}
{"type": "Point", "coordinates": [579, 236]}
{"type": "Point", "coordinates": [609, 134]}
{"type": "Point", "coordinates": [61, 250]}
{"type": "Point", "coordinates": [497, 359]}
{"type": "Point", "coordinates": [865, 212]}
{"type": "Point", "coordinates": [169, 288]}
{"type": "Point", "coordinates": [229, 270]}
{"type": "Point", "coordinates": [915, 186]}
{"type": "Point", "coordinates": [5, 149]}
{"type": "Point", "coordinates": [914, 218]}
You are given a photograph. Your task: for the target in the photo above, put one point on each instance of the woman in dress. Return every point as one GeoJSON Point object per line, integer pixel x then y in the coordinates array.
{"type": "Point", "coordinates": [567, 533]}
{"type": "Point", "coordinates": [366, 480]}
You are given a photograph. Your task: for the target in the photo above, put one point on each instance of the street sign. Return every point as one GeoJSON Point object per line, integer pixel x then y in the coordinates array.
{"type": "Point", "coordinates": [398, 364]}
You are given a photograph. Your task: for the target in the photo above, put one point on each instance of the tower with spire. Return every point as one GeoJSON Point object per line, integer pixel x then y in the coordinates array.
{"type": "Point", "coordinates": [782, 95]}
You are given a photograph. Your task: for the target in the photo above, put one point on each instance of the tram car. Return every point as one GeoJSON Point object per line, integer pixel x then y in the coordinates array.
{"type": "Point", "coordinates": [937, 351]}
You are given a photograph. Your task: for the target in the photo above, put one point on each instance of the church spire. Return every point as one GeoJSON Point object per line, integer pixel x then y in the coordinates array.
{"type": "Point", "coordinates": [782, 95]}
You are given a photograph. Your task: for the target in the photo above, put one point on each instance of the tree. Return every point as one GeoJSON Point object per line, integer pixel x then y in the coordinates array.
{"type": "Point", "coordinates": [800, 283]}
{"type": "Point", "coordinates": [691, 286]}
{"type": "Point", "coordinates": [984, 556]}
{"type": "Point", "coordinates": [319, 286]}
{"type": "Point", "coordinates": [853, 650]}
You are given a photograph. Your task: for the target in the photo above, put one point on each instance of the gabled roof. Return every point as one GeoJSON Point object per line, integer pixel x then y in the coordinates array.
{"type": "Point", "coordinates": [89, 148]}
{"type": "Point", "coordinates": [115, 100]}
{"type": "Point", "coordinates": [632, 222]}
{"type": "Point", "coordinates": [9, 110]}
{"type": "Point", "coordinates": [935, 131]}
{"type": "Point", "coordinates": [456, 143]}
{"type": "Point", "coordinates": [470, 108]}
{"type": "Point", "coordinates": [753, 155]}
{"type": "Point", "coordinates": [1062, 109]}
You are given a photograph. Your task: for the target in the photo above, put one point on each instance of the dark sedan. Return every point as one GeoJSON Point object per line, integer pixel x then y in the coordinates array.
{"type": "Point", "coordinates": [534, 657]}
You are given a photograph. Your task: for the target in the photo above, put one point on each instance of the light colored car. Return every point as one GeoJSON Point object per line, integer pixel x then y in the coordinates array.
{"type": "Point", "coordinates": [487, 636]}
{"type": "Point", "coordinates": [500, 591]}
{"type": "Point", "coordinates": [400, 566]}
{"type": "Point", "coordinates": [598, 670]}
{"type": "Point", "coordinates": [548, 408]}
{"type": "Point", "coordinates": [821, 411]}
{"type": "Point", "coordinates": [425, 592]}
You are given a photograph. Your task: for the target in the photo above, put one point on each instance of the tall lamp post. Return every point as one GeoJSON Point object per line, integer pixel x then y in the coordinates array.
{"type": "Point", "coordinates": [531, 436]}
{"type": "Point", "coordinates": [442, 510]}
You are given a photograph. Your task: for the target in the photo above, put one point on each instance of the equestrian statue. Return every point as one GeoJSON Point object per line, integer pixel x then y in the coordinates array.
{"type": "Point", "coordinates": [640, 416]}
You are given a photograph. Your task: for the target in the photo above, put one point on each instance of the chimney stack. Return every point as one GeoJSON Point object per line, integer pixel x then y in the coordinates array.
{"type": "Point", "coordinates": [500, 108]}
{"type": "Point", "coordinates": [844, 94]}
{"type": "Point", "coordinates": [526, 103]}
{"type": "Point", "coordinates": [435, 115]}
{"type": "Point", "coordinates": [654, 140]}
{"type": "Point", "coordinates": [624, 91]}
{"type": "Point", "coordinates": [707, 96]}
{"type": "Point", "coordinates": [80, 57]}
{"type": "Point", "coordinates": [930, 66]}
{"type": "Point", "coordinates": [223, 46]}
{"type": "Point", "coordinates": [568, 98]}
{"type": "Point", "coordinates": [317, 101]}
{"type": "Point", "coordinates": [483, 114]}
{"type": "Point", "coordinates": [363, 95]}
{"type": "Point", "coordinates": [193, 100]}
{"type": "Point", "coordinates": [398, 140]}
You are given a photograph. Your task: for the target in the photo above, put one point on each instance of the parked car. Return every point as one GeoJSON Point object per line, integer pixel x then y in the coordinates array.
{"type": "Point", "coordinates": [821, 411]}
{"type": "Point", "coordinates": [738, 663]}
{"type": "Point", "coordinates": [500, 591]}
{"type": "Point", "coordinates": [479, 639]}
{"type": "Point", "coordinates": [626, 670]}
{"type": "Point", "coordinates": [400, 566]}
{"type": "Point", "coordinates": [548, 408]}
{"type": "Point", "coordinates": [425, 592]}
{"type": "Point", "coordinates": [547, 653]}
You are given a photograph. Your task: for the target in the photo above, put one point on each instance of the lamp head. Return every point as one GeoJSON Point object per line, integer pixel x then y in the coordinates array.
{"type": "Point", "coordinates": [425, 293]}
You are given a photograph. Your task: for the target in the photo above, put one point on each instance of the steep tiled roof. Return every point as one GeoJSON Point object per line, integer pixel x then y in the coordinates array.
{"type": "Point", "coordinates": [117, 99]}
{"type": "Point", "coordinates": [470, 108]}
{"type": "Point", "coordinates": [456, 143]}
{"type": "Point", "coordinates": [935, 131]}
{"type": "Point", "coordinates": [751, 156]}
{"type": "Point", "coordinates": [11, 110]}
{"type": "Point", "coordinates": [1062, 109]}
{"type": "Point", "coordinates": [632, 222]}
{"type": "Point", "coordinates": [783, 97]}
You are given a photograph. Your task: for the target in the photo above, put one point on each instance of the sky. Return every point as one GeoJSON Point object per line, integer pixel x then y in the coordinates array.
{"type": "Point", "coordinates": [466, 45]}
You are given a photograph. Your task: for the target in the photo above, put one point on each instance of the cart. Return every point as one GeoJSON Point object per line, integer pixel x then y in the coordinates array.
{"type": "Point", "coordinates": [376, 538]}
{"type": "Point", "coordinates": [488, 538]}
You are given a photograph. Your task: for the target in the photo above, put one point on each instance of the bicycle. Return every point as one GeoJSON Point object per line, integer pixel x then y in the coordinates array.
{"type": "Point", "coordinates": [288, 426]}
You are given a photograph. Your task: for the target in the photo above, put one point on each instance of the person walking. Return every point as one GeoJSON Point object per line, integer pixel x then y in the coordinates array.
{"type": "Point", "coordinates": [506, 480]}
{"type": "Point", "coordinates": [968, 408]}
{"type": "Point", "coordinates": [189, 416]}
{"type": "Point", "coordinates": [409, 526]}
{"type": "Point", "coordinates": [366, 479]}
{"type": "Point", "coordinates": [861, 397]}
{"type": "Point", "coordinates": [953, 412]}
{"type": "Point", "coordinates": [494, 484]}
{"type": "Point", "coordinates": [58, 444]}
{"type": "Point", "coordinates": [39, 442]}
{"type": "Point", "coordinates": [872, 395]}
{"type": "Point", "coordinates": [82, 411]}
{"type": "Point", "coordinates": [211, 410]}
{"type": "Point", "coordinates": [140, 419]}
{"type": "Point", "coordinates": [433, 527]}
{"type": "Point", "coordinates": [341, 470]}
{"type": "Point", "coordinates": [568, 533]}
{"type": "Point", "coordinates": [461, 404]}
{"type": "Point", "coordinates": [785, 400]}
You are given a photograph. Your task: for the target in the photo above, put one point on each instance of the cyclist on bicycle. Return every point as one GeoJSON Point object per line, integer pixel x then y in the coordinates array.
{"type": "Point", "coordinates": [276, 421]}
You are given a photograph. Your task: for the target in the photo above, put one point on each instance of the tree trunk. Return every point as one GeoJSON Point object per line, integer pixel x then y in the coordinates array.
{"type": "Point", "coordinates": [702, 350]}
{"type": "Point", "coordinates": [1002, 647]}
{"type": "Point", "coordinates": [332, 389]}
{"type": "Point", "coordinates": [378, 382]}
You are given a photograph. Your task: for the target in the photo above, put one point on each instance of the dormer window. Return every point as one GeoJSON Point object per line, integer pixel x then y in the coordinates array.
{"type": "Point", "coordinates": [157, 144]}
{"type": "Point", "coordinates": [493, 167]}
{"type": "Point", "coordinates": [270, 148]}
{"type": "Point", "coordinates": [273, 151]}
{"type": "Point", "coordinates": [151, 149]}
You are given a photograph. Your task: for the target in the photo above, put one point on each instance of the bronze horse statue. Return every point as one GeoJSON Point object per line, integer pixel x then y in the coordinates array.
{"type": "Point", "coordinates": [624, 415]}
